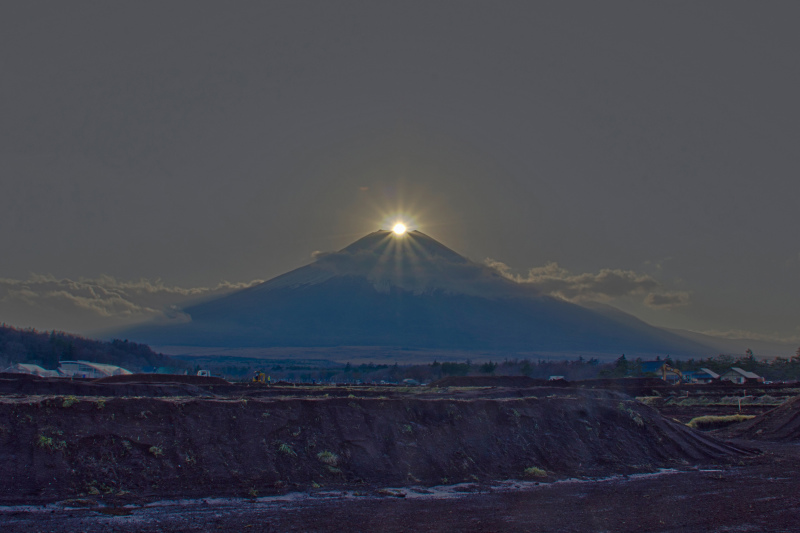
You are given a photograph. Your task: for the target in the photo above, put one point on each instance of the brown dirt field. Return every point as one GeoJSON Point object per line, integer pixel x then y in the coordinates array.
{"type": "Point", "coordinates": [13, 375]}
{"type": "Point", "coordinates": [133, 449]}
{"type": "Point", "coordinates": [115, 449]}
{"type": "Point", "coordinates": [75, 387]}
{"type": "Point", "coordinates": [163, 378]}
{"type": "Point", "coordinates": [759, 494]}
{"type": "Point", "coordinates": [781, 424]}
{"type": "Point", "coordinates": [491, 381]}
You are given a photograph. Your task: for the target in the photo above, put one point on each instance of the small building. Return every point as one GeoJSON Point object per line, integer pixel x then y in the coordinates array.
{"type": "Point", "coordinates": [86, 369]}
{"type": "Point", "coordinates": [556, 378]}
{"type": "Point", "coordinates": [738, 375]}
{"type": "Point", "coordinates": [704, 375]}
{"type": "Point", "coordinates": [36, 370]}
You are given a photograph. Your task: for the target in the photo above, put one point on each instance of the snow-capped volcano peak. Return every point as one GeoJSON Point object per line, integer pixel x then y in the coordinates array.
{"type": "Point", "coordinates": [406, 289]}
{"type": "Point", "coordinates": [411, 261]}
{"type": "Point", "coordinates": [410, 244]}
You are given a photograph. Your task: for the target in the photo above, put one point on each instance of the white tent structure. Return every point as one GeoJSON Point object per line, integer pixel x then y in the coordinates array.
{"type": "Point", "coordinates": [36, 370]}
{"type": "Point", "coordinates": [86, 369]}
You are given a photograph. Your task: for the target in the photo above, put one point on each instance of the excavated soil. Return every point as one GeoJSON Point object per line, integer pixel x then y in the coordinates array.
{"type": "Point", "coordinates": [781, 424]}
{"type": "Point", "coordinates": [163, 378]}
{"type": "Point", "coordinates": [122, 449]}
{"type": "Point", "coordinates": [86, 387]}
{"type": "Point", "coordinates": [493, 381]}
{"type": "Point", "coordinates": [758, 495]}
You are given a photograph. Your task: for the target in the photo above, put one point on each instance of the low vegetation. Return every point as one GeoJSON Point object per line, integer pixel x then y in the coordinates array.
{"type": "Point", "coordinates": [709, 422]}
{"type": "Point", "coordinates": [50, 444]}
{"type": "Point", "coordinates": [535, 471]}
{"type": "Point", "coordinates": [329, 458]}
{"type": "Point", "coordinates": [69, 401]}
{"type": "Point", "coordinates": [48, 348]}
{"type": "Point", "coordinates": [287, 450]}
{"type": "Point", "coordinates": [156, 451]}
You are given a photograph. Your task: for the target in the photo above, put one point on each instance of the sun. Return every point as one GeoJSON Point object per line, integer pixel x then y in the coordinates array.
{"type": "Point", "coordinates": [399, 228]}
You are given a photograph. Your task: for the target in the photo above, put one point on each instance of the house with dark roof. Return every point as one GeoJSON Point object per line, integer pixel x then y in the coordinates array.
{"type": "Point", "coordinates": [738, 375]}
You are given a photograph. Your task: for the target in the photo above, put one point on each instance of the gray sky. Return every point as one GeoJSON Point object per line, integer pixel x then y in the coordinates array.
{"type": "Point", "coordinates": [197, 143]}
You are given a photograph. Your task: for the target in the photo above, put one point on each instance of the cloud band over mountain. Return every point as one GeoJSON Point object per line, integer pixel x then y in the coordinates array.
{"type": "Point", "coordinates": [603, 286]}
{"type": "Point", "coordinates": [46, 302]}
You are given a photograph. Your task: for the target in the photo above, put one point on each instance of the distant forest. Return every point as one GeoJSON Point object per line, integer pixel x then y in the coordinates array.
{"type": "Point", "coordinates": [48, 348]}
{"type": "Point", "coordinates": [773, 369]}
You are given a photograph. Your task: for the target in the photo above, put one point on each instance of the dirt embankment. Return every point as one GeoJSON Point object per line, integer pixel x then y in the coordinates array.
{"type": "Point", "coordinates": [780, 424]}
{"type": "Point", "coordinates": [163, 378]}
{"type": "Point", "coordinates": [496, 381]}
{"type": "Point", "coordinates": [64, 447]}
{"type": "Point", "coordinates": [82, 387]}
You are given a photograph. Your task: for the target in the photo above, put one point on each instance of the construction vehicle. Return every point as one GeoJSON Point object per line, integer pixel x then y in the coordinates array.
{"type": "Point", "coordinates": [666, 369]}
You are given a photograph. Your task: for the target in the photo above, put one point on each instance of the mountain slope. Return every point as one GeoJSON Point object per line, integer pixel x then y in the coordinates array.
{"type": "Point", "coordinates": [409, 291]}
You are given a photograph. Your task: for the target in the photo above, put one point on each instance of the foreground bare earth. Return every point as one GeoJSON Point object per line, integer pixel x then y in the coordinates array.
{"type": "Point", "coordinates": [196, 456]}
{"type": "Point", "coordinates": [758, 495]}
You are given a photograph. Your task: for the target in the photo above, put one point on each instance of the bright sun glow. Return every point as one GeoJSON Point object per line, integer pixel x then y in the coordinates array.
{"type": "Point", "coordinates": [399, 228]}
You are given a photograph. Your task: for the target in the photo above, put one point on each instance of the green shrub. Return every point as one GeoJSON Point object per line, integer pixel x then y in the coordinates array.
{"type": "Point", "coordinates": [69, 401]}
{"type": "Point", "coordinates": [715, 422]}
{"type": "Point", "coordinates": [535, 471]}
{"type": "Point", "coordinates": [652, 401]}
{"type": "Point", "coordinates": [50, 444]}
{"type": "Point", "coordinates": [329, 458]}
{"type": "Point", "coordinates": [287, 450]}
{"type": "Point", "coordinates": [156, 451]}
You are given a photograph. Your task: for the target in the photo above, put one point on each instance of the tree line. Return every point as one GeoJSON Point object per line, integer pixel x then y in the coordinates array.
{"type": "Point", "coordinates": [773, 369]}
{"type": "Point", "coordinates": [47, 349]}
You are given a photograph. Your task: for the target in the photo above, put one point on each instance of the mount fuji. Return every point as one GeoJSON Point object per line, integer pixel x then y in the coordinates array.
{"type": "Point", "coordinates": [407, 291]}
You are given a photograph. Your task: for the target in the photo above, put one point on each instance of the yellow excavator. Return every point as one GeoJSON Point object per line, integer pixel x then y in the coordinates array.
{"type": "Point", "coordinates": [666, 369]}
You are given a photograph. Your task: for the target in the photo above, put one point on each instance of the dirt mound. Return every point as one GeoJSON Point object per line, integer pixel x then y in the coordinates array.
{"type": "Point", "coordinates": [163, 378]}
{"type": "Point", "coordinates": [491, 381]}
{"type": "Point", "coordinates": [779, 424]}
{"type": "Point", "coordinates": [16, 376]}
{"type": "Point", "coordinates": [75, 387]}
{"type": "Point", "coordinates": [631, 386]}
{"type": "Point", "coordinates": [65, 447]}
